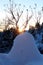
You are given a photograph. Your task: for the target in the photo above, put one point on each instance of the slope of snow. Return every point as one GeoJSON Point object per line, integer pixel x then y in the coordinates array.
{"type": "Point", "coordinates": [23, 52]}
{"type": "Point", "coordinates": [35, 63]}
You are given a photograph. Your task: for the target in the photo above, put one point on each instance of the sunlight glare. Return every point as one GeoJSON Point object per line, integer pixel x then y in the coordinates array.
{"type": "Point", "coordinates": [21, 30]}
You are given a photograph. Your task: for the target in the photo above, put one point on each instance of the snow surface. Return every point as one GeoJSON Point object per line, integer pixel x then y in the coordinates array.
{"type": "Point", "coordinates": [23, 52]}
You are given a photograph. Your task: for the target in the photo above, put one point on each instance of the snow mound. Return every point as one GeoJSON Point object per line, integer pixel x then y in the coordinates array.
{"type": "Point", "coordinates": [24, 49]}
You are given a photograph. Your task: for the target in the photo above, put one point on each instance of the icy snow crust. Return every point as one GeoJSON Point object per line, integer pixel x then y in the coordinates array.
{"type": "Point", "coordinates": [23, 52]}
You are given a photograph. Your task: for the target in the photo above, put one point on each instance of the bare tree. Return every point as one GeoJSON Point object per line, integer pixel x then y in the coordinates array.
{"type": "Point", "coordinates": [13, 17]}
{"type": "Point", "coordinates": [28, 18]}
{"type": "Point", "coordinates": [38, 14]}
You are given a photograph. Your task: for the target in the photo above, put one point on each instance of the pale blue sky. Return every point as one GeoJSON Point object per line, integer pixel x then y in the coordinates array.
{"type": "Point", "coordinates": [27, 3]}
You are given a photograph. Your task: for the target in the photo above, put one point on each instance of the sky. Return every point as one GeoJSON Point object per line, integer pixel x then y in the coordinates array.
{"type": "Point", "coordinates": [27, 3]}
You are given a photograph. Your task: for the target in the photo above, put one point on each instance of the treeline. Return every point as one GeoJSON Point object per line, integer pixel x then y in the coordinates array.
{"type": "Point", "coordinates": [37, 32]}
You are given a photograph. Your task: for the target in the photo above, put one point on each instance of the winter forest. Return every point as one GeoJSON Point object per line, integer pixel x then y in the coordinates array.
{"type": "Point", "coordinates": [21, 33]}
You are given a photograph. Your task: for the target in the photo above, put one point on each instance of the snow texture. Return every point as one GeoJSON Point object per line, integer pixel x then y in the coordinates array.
{"type": "Point", "coordinates": [23, 52]}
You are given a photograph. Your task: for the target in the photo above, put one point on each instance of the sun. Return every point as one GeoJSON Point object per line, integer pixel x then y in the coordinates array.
{"type": "Point", "coordinates": [21, 30]}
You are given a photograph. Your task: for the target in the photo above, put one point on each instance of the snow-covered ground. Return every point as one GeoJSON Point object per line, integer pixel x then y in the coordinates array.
{"type": "Point", "coordinates": [23, 52]}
